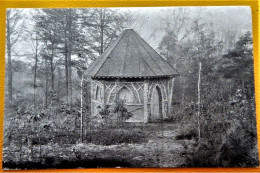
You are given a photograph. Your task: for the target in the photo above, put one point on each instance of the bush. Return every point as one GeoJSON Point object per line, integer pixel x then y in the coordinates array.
{"type": "Point", "coordinates": [225, 142]}
{"type": "Point", "coordinates": [122, 112]}
{"type": "Point", "coordinates": [239, 149]}
{"type": "Point", "coordinates": [201, 154]}
{"type": "Point", "coordinates": [114, 136]}
{"type": "Point", "coordinates": [60, 137]}
{"type": "Point", "coordinates": [188, 136]}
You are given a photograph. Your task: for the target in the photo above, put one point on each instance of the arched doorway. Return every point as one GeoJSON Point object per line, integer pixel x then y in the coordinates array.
{"type": "Point", "coordinates": [98, 94]}
{"type": "Point", "coordinates": [156, 104]}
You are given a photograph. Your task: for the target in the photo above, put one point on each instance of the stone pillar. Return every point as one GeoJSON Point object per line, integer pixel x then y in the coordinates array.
{"type": "Point", "coordinates": [102, 89]}
{"type": "Point", "coordinates": [146, 112]}
{"type": "Point", "coordinates": [171, 83]}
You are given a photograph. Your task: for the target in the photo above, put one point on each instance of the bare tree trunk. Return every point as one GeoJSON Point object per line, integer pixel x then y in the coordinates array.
{"type": "Point", "coordinates": [58, 89]}
{"type": "Point", "coordinates": [102, 31]}
{"type": "Point", "coordinates": [52, 59]}
{"type": "Point", "coordinates": [13, 33]}
{"type": "Point", "coordinates": [52, 67]}
{"type": "Point", "coordinates": [81, 106]}
{"type": "Point", "coordinates": [69, 49]}
{"type": "Point", "coordinates": [199, 80]}
{"type": "Point", "coordinates": [46, 84]}
{"type": "Point", "coordinates": [35, 72]}
{"type": "Point", "coordinates": [9, 61]}
{"type": "Point", "coordinates": [66, 71]}
{"type": "Point", "coordinates": [70, 74]}
{"type": "Point", "coordinates": [183, 93]}
{"type": "Point", "coordinates": [171, 94]}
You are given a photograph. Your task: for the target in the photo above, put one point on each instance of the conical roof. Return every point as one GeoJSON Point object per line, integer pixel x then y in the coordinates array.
{"type": "Point", "coordinates": [130, 56]}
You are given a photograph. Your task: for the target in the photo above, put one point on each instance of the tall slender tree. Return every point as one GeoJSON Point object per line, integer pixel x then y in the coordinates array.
{"type": "Point", "coordinates": [104, 26]}
{"type": "Point", "coordinates": [177, 27]}
{"type": "Point", "coordinates": [14, 30]}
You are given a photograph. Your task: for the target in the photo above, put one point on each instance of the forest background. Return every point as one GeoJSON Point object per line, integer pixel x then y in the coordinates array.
{"type": "Point", "coordinates": [48, 51]}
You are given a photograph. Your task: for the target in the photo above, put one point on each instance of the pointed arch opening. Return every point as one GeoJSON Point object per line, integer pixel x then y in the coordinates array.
{"type": "Point", "coordinates": [156, 105]}
{"type": "Point", "coordinates": [98, 94]}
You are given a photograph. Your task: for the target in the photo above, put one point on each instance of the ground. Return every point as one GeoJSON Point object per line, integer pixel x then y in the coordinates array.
{"type": "Point", "coordinates": [160, 150]}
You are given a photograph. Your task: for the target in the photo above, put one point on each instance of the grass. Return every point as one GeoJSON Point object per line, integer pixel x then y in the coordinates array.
{"type": "Point", "coordinates": [115, 136]}
{"type": "Point", "coordinates": [186, 136]}
{"type": "Point", "coordinates": [68, 164]}
{"type": "Point", "coordinates": [126, 145]}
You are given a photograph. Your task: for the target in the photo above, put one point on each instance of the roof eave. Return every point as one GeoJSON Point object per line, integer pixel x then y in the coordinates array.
{"type": "Point", "coordinates": [134, 77]}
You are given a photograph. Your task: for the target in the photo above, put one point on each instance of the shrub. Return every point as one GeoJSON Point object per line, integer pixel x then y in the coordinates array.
{"type": "Point", "coordinates": [60, 137]}
{"type": "Point", "coordinates": [122, 112]}
{"type": "Point", "coordinates": [225, 141]}
{"type": "Point", "coordinates": [201, 154]}
{"type": "Point", "coordinates": [191, 134]}
{"type": "Point", "coordinates": [111, 115]}
{"type": "Point", "coordinates": [239, 149]}
{"type": "Point", "coordinates": [114, 136]}
{"type": "Point", "coordinates": [187, 131]}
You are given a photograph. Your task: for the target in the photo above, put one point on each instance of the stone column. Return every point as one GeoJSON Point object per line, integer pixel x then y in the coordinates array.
{"type": "Point", "coordinates": [102, 89]}
{"type": "Point", "coordinates": [171, 82]}
{"type": "Point", "coordinates": [146, 114]}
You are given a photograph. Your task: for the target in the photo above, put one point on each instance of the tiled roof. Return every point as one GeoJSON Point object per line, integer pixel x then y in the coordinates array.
{"type": "Point", "coordinates": [130, 57]}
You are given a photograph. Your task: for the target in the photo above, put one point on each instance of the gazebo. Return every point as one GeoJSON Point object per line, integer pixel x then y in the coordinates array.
{"type": "Point", "coordinates": [132, 71]}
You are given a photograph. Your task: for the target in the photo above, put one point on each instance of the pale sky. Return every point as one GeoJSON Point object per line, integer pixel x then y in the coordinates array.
{"type": "Point", "coordinates": [149, 19]}
{"type": "Point", "coordinates": [220, 16]}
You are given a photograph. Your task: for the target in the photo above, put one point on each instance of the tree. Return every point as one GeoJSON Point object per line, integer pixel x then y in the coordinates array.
{"type": "Point", "coordinates": [81, 67]}
{"type": "Point", "coordinates": [204, 51]}
{"type": "Point", "coordinates": [67, 28]}
{"type": "Point", "coordinates": [34, 39]}
{"type": "Point", "coordinates": [14, 30]}
{"type": "Point", "coordinates": [178, 27]}
{"type": "Point", "coordinates": [237, 64]}
{"type": "Point", "coordinates": [61, 33]}
{"type": "Point", "coordinates": [104, 26]}
{"type": "Point", "coordinates": [46, 33]}
{"type": "Point", "coordinates": [75, 41]}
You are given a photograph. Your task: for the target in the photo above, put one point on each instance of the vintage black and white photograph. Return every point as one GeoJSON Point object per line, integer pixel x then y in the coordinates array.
{"type": "Point", "coordinates": [156, 87]}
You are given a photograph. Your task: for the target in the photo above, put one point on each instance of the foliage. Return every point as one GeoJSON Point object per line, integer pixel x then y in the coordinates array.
{"type": "Point", "coordinates": [188, 136]}
{"type": "Point", "coordinates": [105, 114]}
{"type": "Point", "coordinates": [122, 112]}
{"type": "Point", "coordinates": [49, 94]}
{"type": "Point", "coordinates": [114, 136]}
{"type": "Point", "coordinates": [237, 64]}
{"type": "Point", "coordinates": [228, 124]}
{"type": "Point", "coordinates": [237, 150]}
{"type": "Point", "coordinates": [109, 115]}
{"type": "Point", "coordinates": [104, 25]}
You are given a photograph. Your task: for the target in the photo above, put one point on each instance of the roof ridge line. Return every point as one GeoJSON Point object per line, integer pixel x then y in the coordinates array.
{"type": "Point", "coordinates": [149, 54]}
{"type": "Point", "coordinates": [147, 64]}
{"type": "Point", "coordinates": [111, 49]}
{"type": "Point", "coordinates": [127, 44]}
{"type": "Point", "coordinates": [144, 59]}
{"type": "Point", "coordinates": [165, 62]}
